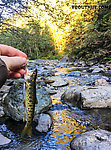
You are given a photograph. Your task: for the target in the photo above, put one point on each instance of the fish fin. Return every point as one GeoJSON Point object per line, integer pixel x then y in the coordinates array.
{"type": "Point", "coordinates": [24, 104]}
{"type": "Point", "coordinates": [36, 102]}
{"type": "Point", "coordinates": [27, 130]}
{"type": "Point", "coordinates": [24, 119]}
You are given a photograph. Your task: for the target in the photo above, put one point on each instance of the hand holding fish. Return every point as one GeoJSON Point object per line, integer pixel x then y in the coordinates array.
{"type": "Point", "coordinates": [14, 59]}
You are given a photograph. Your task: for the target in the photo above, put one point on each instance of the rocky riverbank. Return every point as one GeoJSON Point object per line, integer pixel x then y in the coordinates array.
{"type": "Point", "coordinates": [87, 86]}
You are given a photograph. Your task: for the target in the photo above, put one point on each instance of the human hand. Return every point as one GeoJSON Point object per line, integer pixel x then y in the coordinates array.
{"type": "Point", "coordinates": [14, 59]}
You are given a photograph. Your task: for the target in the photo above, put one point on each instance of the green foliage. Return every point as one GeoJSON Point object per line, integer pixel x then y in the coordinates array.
{"type": "Point", "coordinates": [95, 39]}
{"type": "Point", "coordinates": [34, 44]}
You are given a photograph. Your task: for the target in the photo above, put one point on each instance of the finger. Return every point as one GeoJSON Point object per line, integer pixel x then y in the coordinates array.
{"type": "Point", "coordinates": [21, 71]}
{"type": "Point", "coordinates": [10, 51]}
{"type": "Point", "coordinates": [14, 63]}
{"type": "Point", "coordinates": [14, 75]}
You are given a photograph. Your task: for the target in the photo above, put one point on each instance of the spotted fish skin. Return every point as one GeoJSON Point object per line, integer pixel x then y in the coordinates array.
{"type": "Point", "coordinates": [30, 100]}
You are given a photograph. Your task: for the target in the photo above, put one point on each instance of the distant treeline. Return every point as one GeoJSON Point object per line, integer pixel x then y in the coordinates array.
{"type": "Point", "coordinates": [52, 30]}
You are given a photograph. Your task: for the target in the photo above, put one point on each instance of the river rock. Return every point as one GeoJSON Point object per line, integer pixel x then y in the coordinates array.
{"type": "Point", "coordinates": [47, 73]}
{"type": "Point", "coordinates": [14, 105]}
{"type": "Point", "coordinates": [58, 81]}
{"type": "Point", "coordinates": [4, 141]}
{"type": "Point", "coordinates": [66, 59]}
{"type": "Point", "coordinates": [86, 97]}
{"type": "Point", "coordinates": [98, 70]}
{"type": "Point", "coordinates": [92, 140]}
{"type": "Point", "coordinates": [91, 62]}
{"type": "Point", "coordinates": [101, 82]}
{"type": "Point", "coordinates": [73, 74]}
{"type": "Point", "coordinates": [44, 122]}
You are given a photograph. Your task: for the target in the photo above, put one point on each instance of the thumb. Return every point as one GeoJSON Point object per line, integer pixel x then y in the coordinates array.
{"type": "Point", "coordinates": [14, 62]}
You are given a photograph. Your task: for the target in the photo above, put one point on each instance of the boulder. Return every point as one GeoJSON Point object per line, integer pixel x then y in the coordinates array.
{"type": "Point", "coordinates": [44, 122]}
{"type": "Point", "coordinates": [73, 74]}
{"type": "Point", "coordinates": [58, 81]}
{"type": "Point", "coordinates": [98, 70]}
{"type": "Point", "coordinates": [101, 82]}
{"type": "Point", "coordinates": [92, 140]}
{"type": "Point", "coordinates": [86, 97]}
{"type": "Point", "coordinates": [4, 141]}
{"type": "Point", "coordinates": [47, 73]}
{"type": "Point", "coordinates": [14, 102]}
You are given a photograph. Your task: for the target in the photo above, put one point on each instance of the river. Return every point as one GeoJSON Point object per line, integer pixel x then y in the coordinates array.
{"type": "Point", "coordinates": [68, 122]}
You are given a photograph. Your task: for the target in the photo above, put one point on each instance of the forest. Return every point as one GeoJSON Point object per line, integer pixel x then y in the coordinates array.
{"type": "Point", "coordinates": [51, 29]}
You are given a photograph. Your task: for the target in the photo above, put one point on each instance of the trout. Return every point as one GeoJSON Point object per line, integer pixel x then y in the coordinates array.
{"type": "Point", "coordinates": [29, 101]}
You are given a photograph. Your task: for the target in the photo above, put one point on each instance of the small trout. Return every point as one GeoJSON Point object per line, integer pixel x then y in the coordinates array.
{"type": "Point", "coordinates": [29, 101]}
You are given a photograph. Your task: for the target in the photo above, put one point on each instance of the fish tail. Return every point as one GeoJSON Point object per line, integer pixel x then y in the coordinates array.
{"type": "Point", "coordinates": [27, 130]}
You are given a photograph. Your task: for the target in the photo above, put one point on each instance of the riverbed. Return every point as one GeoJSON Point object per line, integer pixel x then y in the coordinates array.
{"type": "Point", "coordinates": [68, 121]}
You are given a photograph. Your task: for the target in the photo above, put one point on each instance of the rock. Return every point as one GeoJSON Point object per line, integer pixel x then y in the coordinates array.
{"type": "Point", "coordinates": [91, 62]}
{"type": "Point", "coordinates": [73, 74]}
{"type": "Point", "coordinates": [4, 141]}
{"type": "Point", "coordinates": [92, 68]}
{"type": "Point", "coordinates": [47, 73]}
{"type": "Point", "coordinates": [98, 70]}
{"type": "Point", "coordinates": [44, 123]}
{"type": "Point", "coordinates": [79, 63]}
{"type": "Point", "coordinates": [66, 59]}
{"type": "Point", "coordinates": [65, 62]}
{"type": "Point", "coordinates": [5, 89]}
{"type": "Point", "coordinates": [109, 79]}
{"type": "Point", "coordinates": [58, 81]}
{"type": "Point", "coordinates": [71, 96]}
{"type": "Point", "coordinates": [86, 97]}
{"type": "Point", "coordinates": [1, 111]}
{"type": "Point", "coordinates": [50, 91]}
{"type": "Point", "coordinates": [14, 105]}
{"type": "Point", "coordinates": [92, 140]}
{"type": "Point", "coordinates": [44, 100]}
{"type": "Point", "coordinates": [94, 77]}
{"type": "Point", "coordinates": [101, 82]}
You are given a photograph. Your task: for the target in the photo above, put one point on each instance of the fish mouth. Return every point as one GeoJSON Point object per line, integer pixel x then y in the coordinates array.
{"type": "Point", "coordinates": [28, 74]}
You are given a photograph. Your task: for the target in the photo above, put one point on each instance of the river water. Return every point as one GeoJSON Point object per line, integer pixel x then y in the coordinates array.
{"type": "Point", "coordinates": [68, 122]}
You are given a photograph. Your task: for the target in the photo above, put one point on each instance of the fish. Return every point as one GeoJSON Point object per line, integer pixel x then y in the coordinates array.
{"type": "Point", "coordinates": [29, 101]}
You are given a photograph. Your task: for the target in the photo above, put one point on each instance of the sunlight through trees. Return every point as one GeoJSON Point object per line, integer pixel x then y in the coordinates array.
{"type": "Point", "coordinates": [53, 28]}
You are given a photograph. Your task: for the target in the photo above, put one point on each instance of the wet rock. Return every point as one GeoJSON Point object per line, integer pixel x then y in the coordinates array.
{"type": "Point", "coordinates": [14, 105]}
{"type": "Point", "coordinates": [74, 74]}
{"type": "Point", "coordinates": [98, 70]}
{"type": "Point", "coordinates": [44, 100]}
{"type": "Point", "coordinates": [92, 78]}
{"type": "Point", "coordinates": [58, 81]}
{"type": "Point", "coordinates": [44, 122]}
{"type": "Point", "coordinates": [50, 91]}
{"type": "Point", "coordinates": [4, 89]}
{"type": "Point", "coordinates": [92, 140]}
{"type": "Point", "coordinates": [87, 97]}
{"type": "Point", "coordinates": [4, 141]}
{"type": "Point", "coordinates": [47, 73]}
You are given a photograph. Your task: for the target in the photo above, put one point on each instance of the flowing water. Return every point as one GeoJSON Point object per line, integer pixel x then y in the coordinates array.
{"type": "Point", "coordinates": [68, 122]}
